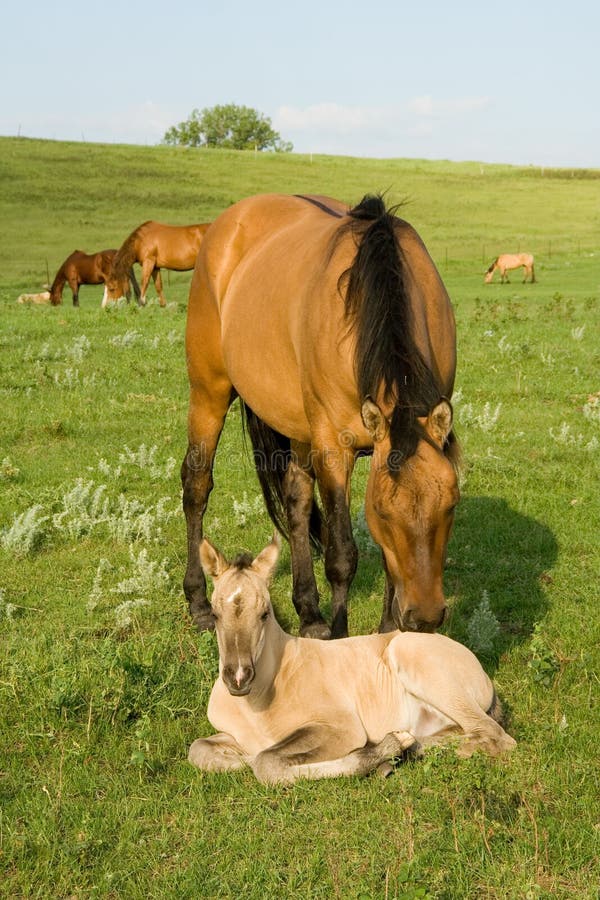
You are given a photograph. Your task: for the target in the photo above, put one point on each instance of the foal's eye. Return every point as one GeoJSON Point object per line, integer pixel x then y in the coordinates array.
{"type": "Point", "coordinates": [265, 615]}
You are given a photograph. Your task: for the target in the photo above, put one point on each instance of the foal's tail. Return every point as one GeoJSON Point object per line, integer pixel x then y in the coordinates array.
{"type": "Point", "coordinates": [272, 455]}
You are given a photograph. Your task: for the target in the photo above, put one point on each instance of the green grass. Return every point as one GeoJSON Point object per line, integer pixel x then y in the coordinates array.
{"type": "Point", "coordinates": [100, 700]}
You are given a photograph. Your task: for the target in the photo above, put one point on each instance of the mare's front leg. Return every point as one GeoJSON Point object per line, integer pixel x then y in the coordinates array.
{"type": "Point", "coordinates": [333, 469]}
{"type": "Point", "coordinates": [217, 753]}
{"type": "Point", "coordinates": [298, 488]}
{"type": "Point", "coordinates": [310, 752]}
{"type": "Point", "coordinates": [388, 622]}
{"type": "Point", "coordinates": [206, 417]}
{"type": "Point", "coordinates": [158, 284]}
{"type": "Point", "coordinates": [74, 285]}
{"type": "Point", "coordinates": [147, 269]}
{"type": "Point", "coordinates": [134, 283]}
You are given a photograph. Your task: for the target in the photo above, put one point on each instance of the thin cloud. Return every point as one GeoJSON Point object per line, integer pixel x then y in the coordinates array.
{"type": "Point", "coordinates": [428, 106]}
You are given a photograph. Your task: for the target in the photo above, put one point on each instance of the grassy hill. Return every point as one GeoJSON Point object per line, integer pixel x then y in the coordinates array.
{"type": "Point", "coordinates": [103, 682]}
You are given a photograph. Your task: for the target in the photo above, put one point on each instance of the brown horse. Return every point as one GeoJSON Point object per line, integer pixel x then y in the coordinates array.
{"type": "Point", "coordinates": [155, 246]}
{"type": "Point", "coordinates": [293, 708]}
{"type": "Point", "coordinates": [335, 330]}
{"type": "Point", "coordinates": [84, 268]}
{"type": "Point", "coordinates": [511, 261]}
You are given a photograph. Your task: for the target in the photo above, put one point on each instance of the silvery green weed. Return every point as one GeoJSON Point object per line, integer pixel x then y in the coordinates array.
{"type": "Point", "coordinates": [149, 577]}
{"type": "Point", "coordinates": [79, 348]}
{"type": "Point", "coordinates": [246, 509]}
{"type": "Point", "coordinates": [85, 506]}
{"type": "Point", "coordinates": [144, 458]}
{"type": "Point", "coordinates": [7, 610]}
{"type": "Point", "coordinates": [126, 340]}
{"type": "Point", "coordinates": [483, 628]}
{"type": "Point", "coordinates": [27, 532]}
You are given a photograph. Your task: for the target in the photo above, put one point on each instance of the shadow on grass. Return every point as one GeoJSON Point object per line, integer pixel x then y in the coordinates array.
{"type": "Point", "coordinates": [508, 555]}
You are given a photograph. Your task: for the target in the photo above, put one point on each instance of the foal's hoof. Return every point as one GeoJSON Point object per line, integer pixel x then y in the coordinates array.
{"type": "Point", "coordinates": [204, 621]}
{"type": "Point", "coordinates": [319, 630]}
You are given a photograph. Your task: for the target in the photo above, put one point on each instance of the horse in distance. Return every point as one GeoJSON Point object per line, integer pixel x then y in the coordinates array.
{"type": "Point", "coordinates": [83, 268]}
{"type": "Point", "coordinates": [291, 707]}
{"type": "Point", "coordinates": [509, 261]}
{"type": "Point", "coordinates": [154, 246]}
{"type": "Point", "coordinates": [334, 328]}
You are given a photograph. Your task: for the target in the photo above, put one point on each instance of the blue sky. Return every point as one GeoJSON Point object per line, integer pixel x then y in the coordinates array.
{"type": "Point", "coordinates": [495, 82]}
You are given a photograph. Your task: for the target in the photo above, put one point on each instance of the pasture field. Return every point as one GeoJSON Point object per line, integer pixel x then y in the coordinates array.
{"type": "Point", "coordinates": [103, 681]}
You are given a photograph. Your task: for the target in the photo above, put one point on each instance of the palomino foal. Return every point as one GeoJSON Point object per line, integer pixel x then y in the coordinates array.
{"type": "Point", "coordinates": [292, 707]}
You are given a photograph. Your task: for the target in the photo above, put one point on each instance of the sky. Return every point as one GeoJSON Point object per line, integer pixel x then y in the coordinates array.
{"type": "Point", "coordinates": [511, 82]}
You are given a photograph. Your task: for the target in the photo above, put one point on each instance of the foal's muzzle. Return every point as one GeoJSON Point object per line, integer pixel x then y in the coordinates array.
{"type": "Point", "coordinates": [238, 679]}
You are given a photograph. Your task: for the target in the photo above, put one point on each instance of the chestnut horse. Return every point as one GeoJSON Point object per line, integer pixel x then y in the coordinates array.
{"type": "Point", "coordinates": [85, 268]}
{"type": "Point", "coordinates": [335, 330]}
{"type": "Point", "coordinates": [511, 261]}
{"type": "Point", "coordinates": [293, 708]}
{"type": "Point", "coordinates": [155, 246]}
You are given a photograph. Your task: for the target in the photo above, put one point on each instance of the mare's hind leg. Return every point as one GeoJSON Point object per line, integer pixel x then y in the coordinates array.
{"type": "Point", "coordinates": [157, 279]}
{"type": "Point", "coordinates": [217, 753]}
{"type": "Point", "coordinates": [206, 417]}
{"type": "Point", "coordinates": [298, 487]}
{"type": "Point", "coordinates": [301, 755]}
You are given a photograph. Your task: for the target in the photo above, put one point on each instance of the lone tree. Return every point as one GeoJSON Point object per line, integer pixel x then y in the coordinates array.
{"type": "Point", "coordinates": [227, 125]}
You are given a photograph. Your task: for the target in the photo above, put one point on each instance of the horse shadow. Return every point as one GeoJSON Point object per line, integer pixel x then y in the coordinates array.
{"type": "Point", "coordinates": [506, 554]}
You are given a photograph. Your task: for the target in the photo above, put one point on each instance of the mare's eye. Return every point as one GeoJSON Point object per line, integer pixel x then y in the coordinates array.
{"type": "Point", "coordinates": [265, 615]}
{"type": "Point", "coordinates": [215, 616]}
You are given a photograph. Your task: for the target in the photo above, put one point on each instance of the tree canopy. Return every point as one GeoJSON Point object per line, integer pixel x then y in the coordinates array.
{"type": "Point", "coordinates": [227, 125]}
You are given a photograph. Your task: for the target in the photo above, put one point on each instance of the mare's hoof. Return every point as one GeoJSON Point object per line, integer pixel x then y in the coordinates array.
{"type": "Point", "coordinates": [319, 630]}
{"type": "Point", "coordinates": [204, 621]}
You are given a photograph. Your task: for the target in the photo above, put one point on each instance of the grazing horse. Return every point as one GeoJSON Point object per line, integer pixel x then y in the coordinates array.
{"type": "Point", "coordinates": [511, 261]}
{"type": "Point", "coordinates": [155, 246]}
{"type": "Point", "coordinates": [291, 708]}
{"type": "Point", "coordinates": [335, 330]}
{"type": "Point", "coordinates": [84, 268]}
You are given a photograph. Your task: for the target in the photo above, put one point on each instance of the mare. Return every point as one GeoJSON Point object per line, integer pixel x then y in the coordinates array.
{"type": "Point", "coordinates": [511, 261]}
{"type": "Point", "coordinates": [155, 246]}
{"type": "Point", "coordinates": [334, 328]}
{"type": "Point", "coordinates": [84, 268]}
{"type": "Point", "coordinates": [290, 707]}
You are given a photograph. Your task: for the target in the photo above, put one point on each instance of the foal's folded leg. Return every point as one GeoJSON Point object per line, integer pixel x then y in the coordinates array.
{"type": "Point", "coordinates": [301, 756]}
{"type": "Point", "coordinates": [217, 753]}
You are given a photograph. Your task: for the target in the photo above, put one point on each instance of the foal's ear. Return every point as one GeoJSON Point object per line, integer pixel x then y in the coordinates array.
{"type": "Point", "coordinates": [439, 422]}
{"type": "Point", "coordinates": [212, 560]}
{"type": "Point", "coordinates": [374, 420]}
{"type": "Point", "coordinates": [265, 562]}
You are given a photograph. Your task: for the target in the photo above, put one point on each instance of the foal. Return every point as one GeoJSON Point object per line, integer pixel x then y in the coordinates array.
{"type": "Point", "coordinates": [294, 708]}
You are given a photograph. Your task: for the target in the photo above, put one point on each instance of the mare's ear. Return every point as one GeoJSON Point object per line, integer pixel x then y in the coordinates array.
{"type": "Point", "coordinates": [439, 422]}
{"type": "Point", "coordinates": [374, 420]}
{"type": "Point", "coordinates": [212, 560]}
{"type": "Point", "coordinates": [265, 562]}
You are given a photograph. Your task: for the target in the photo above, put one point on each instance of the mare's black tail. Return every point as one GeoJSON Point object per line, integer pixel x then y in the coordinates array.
{"type": "Point", "coordinates": [272, 455]}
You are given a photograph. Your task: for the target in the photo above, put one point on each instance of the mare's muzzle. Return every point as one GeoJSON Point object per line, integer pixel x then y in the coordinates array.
{"type": "Point", "coordinates": [413, 619]}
